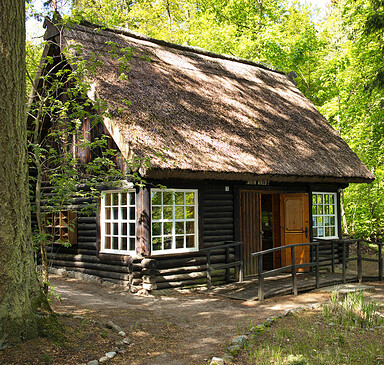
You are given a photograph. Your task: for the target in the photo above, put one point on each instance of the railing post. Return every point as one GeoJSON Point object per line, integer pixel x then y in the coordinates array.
{"type": "Point", "coordinates": [317, 265]}
{"type": "Point", "coordinates": [333, 256]}
{"type": "Point", "coordinates": [294, 277]}
{"type": "Point", "coordinates": [260, 278]}
{"type": "Point", "coordinates": [209, 277]}
{"type": "Point", "coordinates": [359, 263]}
{"type": "Point", "coordinates": [227, 270]}
{"type": "Point", "coordinates": [380, 261]}
{"type": "Point", "coordinates": [241, 269]}
{"type": "Point", "coordinates": [343, 263]}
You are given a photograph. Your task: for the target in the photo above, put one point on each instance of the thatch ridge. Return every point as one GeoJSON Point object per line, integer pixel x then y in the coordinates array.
{"type": "Point", "coordinates": [201, 113]}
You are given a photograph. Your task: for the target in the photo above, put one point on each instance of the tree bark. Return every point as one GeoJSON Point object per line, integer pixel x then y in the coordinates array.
{"type": "Point", "coordinates": [19, 288]}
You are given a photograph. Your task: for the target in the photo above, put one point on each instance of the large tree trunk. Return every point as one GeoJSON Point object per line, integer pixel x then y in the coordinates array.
{"type": "Point", "coordinates": [19, 288]}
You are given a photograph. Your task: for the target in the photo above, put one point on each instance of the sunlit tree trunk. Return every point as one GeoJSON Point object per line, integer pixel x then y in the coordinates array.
{"type": "Point", "coordinates": [19, 288]}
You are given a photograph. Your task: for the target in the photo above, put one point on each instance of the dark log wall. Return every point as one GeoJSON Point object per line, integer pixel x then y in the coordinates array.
{"type": "Point", "coordinates": [216, 225]}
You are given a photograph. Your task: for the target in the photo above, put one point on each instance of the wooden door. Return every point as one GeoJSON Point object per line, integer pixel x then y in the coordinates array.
{"type": "Point", "coordinates": [250, 228]}
{"type": "Point", "coordinates": [294, 218]}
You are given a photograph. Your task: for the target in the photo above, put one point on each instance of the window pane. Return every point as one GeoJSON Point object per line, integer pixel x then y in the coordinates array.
{"type": "Point", "coordinates": [124, 230]}
{"type": "Point", "coordinates": [326, 231]}
{"type": "Point", "coordinates": [167, 198]}
{"type": "Point", "coordinates": [331, 210]}
{"type": "Point", "coordinates": [190, 212]}
{"type": "Point", "coordinates": [124, 213]}
{"type": "Point", "coordinates": [168, 213]}
{"type": "Point", "coordinates": [314, 209]}
{"type": "Point", "coordinates": [108, 228]}
{"type": "Point", "coordinates": [123, 243]}
{"type": "Point", "coordinates": [168, 228]}
{"type": "Point", "coordinates": [156, 229]}
{"type": "Point", "coordinates": [179, 212]}
{"type": "Point", "coordinates": [179, 241]}
{"type": "Point", "coordinates": [115, 199]}
{"type": "Point", "coordinates": [132, 244]}
{"type": "Point", "coordinates": [156, 243]}
{"type": "Point", "coordinates": [156, 213]}
{"type": "Point", "coordinates": [107, 243]}
{"type": "Point", "coordinates": [190, 241]}
{"type": "Point", "coordinates": [132, 198]}
{"type": "Point", "coordinates": [108, 199]}
{"type": "Point", "coordinates": [314, 199]}
{"type": "Point", "coordinates": [326, 199]}
{"type": "Point", "coordinates": [132, 229]}
{"type": "Point", "coordinates": [332, 231]}
{"type": "Point", "coordinates": [132, 213]}
{"type": "Point", "coordinates": [190, 227]}
{"type": "Point", "coordinates": [123, 200]}
{"type": "Point", "coordinates": [190, 198]}
{"type": "Point", "coordinates": [320, 209]}
{"type": "Point", "coordinates": [326, 209]}
{"type": "Point", "coordinates": [115, 213]}
{"type": "Point", "coordinates": [108, 213]}
{"type": "Point", "coordinates": [179, 227]}
{"type": "Point", "coordinates": [156, 198]}
{"type": "Point", "coordinates": [319, 199]}
{"type": "Point", "coordinates": [179, 198]}
{"type": "Point", "coordinates": [167, 243]}
{"type": "Point", "coordinates": [115, 229]}
{"type": "Point", "coordinates": [115, 243]}
{"type": "Point", "coordinates": [332, 199]}
{"type": "Point", "coordinates": [326, 221]}
{"type": "Point", "coordinates": [332, 221]}
{"type": "Point", "coordinates": [315, 232]}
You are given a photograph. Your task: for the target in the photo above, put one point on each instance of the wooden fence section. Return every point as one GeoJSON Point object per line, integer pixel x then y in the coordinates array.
{"type": "Point", "coordinates": [237, 263]}
{"type": "Point", "coordinates": [316, 262]}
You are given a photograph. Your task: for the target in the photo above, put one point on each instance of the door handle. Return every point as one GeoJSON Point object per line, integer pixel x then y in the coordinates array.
{"type": "Point", "coordinates": [306, 232]}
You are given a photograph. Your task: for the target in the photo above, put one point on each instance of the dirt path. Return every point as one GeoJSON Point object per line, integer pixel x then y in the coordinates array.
{"type": "Point", "coordinates": [174, 329]}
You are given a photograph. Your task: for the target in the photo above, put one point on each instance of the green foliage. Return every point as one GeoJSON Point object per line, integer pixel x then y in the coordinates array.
{"type": "Point", "coordinates": [352, 310]}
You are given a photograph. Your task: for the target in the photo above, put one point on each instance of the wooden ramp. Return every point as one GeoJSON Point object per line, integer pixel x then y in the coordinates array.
{"type": "Point", "coordinates": [279, 285]}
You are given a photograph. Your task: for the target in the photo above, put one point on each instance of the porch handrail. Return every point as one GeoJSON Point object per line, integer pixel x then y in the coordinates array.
{"type": "Point", "coordinates": [237, 263]}
{"type": "Point", "coordinates": [294, 266]}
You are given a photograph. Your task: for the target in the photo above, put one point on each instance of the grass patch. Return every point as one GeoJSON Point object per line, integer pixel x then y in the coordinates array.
{"type": "Point", "coordinates": [346, 331]}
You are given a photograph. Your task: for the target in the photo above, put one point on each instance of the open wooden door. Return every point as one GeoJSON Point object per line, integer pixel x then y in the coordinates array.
{"type": "Point", "coordinates": [250, 228]}
{"type": "Point", "coordinates": [294, 218]}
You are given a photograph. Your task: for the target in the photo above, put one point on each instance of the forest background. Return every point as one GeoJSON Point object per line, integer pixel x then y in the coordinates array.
{"type": "Point", "coordinates": [338, 60]}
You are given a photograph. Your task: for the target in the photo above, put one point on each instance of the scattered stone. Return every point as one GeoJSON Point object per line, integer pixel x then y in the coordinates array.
{"type": "Point", "coordinates": [240, 341]}
{"type": "Point", "coordinates": [78, 317]}
{"type": "Point", "coordinates": [110, 354]}
{"type": "Point", "coordinates": [228, 359]}
{"type": "Point", "coordinates": [119, 343]}
{"type": "Point", "coordinates": [148, 286]}
{"type": "Point", "coordinates": [143, 292]}
{"type": "Point", "coordinates": [93, 362]}
{"type": "Point", "coordinates": [115, 349]}
{"type": "Point", "coordinates": [217, 361]}
{"type": "Point", "coordinates": [234, 350]}
{"type": "Point", "coordinates": [115, 327]}
{"type": "Point", "coordinates": [126, 341]}
{"type": "Point", "coordinates": [103, 359]}
{"type": "Point", "coordinates": [121, 333]}
{"type": "Point", "coordinates": [121, 351]}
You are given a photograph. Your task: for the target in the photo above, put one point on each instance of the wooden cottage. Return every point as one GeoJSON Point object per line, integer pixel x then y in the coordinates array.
{"type": "Point", "coordinates": [242, 154]}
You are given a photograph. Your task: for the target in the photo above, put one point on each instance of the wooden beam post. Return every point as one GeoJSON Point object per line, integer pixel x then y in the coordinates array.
{"type": "Point", "coordinates": [359, 263]}
{"type": "Point", "coordinates": [294, 276]}
{"type": "Point", "coordinates": [260, 278]}
{"type": "Point", "coordinates": [143, 222]}
{"type": "Point", "coordinates": [318, 265]}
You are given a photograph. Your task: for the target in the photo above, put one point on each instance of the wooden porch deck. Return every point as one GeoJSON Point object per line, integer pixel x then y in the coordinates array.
{"type": "Point", "coordinates": [281, 285]}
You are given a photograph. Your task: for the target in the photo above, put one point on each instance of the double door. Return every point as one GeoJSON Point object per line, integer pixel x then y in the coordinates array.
{"type": "Point", "coordinates": [269, 220]}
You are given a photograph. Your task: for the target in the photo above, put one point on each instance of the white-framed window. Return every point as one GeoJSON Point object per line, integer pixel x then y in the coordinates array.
{"type": "Point", "coordinates": [174, 218]}
{"type": "Point", "coordinates": [324, 215]}
{"type": "Point", "coordinates": [118, 222]}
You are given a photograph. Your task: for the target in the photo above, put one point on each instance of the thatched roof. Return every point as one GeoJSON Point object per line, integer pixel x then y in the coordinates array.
{"type": "Point", "coordinates": [203, 115]}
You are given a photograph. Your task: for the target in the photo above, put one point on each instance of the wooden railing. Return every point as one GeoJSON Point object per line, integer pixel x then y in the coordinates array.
{"type": "Point", "coordinates": [316, 263]}
{"type": "Point", "coordinates": [236, 263]}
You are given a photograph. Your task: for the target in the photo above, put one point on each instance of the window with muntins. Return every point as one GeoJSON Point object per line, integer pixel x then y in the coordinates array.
{"type": "Point", "coordinates": [324, 215]}
{"type": "Point", "coordinates": [118, 222]}
{"type": "Point", "coordinates": [174, 221]}
{"type": "Point", "coordinates": [61, 226]}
